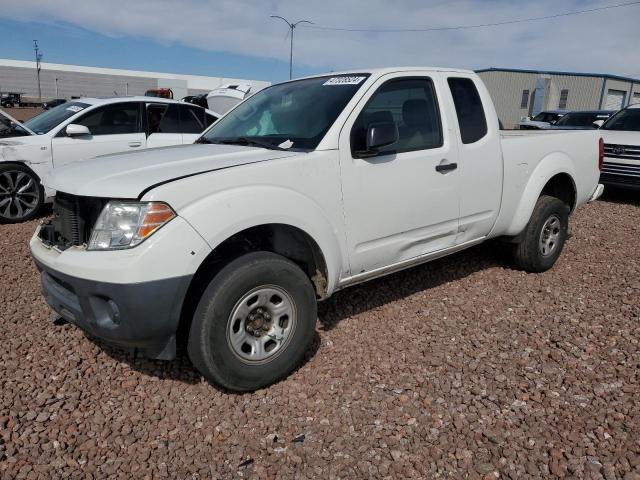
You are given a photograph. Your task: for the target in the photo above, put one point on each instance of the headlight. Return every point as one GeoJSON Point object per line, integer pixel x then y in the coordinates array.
{"type": "Point", "coordinates": [126, 224]}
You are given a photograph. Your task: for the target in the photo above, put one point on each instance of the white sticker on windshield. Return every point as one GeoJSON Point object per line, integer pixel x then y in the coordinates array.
{"type": "Point", "coordinates": [344, 81]}
{"type": "Point", "coordinates": [74, 108]}
{"type": "Point", "coordinates": [286, 144]}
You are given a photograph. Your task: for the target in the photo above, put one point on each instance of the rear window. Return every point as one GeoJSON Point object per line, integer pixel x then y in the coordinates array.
{"type": "Point", "coordinates": [471, 118]}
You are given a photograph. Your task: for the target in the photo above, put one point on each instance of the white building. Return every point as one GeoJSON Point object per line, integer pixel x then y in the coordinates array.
{"type": "Point", "coordinates": [68, 81]}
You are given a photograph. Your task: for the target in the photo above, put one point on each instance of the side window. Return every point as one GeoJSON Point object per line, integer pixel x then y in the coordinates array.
{"type": "Point", "coordinates": [155, 112]}
{"type": "Point", "coordinates": [211, 119]}
{"type": "Point", "coordinates": [471, 117]}
{"type": "Point", "coordinates": [191, 119]}
{"type": "Point", "coordinates": [524, 101]}
{"type": "Point", "coordinates": [162, 118]}
{"type": "Point", "coordinates": [116, 119]}
{"type": "Point", "coordinates": [409, 103]}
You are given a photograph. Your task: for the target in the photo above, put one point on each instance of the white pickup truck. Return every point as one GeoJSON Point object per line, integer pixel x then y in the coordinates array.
{"type": "Point", "coordinates": [307, 187]}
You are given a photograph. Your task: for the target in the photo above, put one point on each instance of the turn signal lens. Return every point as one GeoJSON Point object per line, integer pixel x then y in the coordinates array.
{"type": "Point", "coordinates": [157, 215]}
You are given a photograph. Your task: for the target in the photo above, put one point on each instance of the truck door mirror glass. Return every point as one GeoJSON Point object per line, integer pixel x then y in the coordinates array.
{"type": "Point", "coordinates": [381, 134]}
{"type": "Point", "coordinates": [75, 130]}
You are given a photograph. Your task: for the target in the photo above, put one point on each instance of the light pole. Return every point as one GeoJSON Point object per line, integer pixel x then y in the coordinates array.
{"type": "Point", "coordinates": [56, 87]}
{"type": "Point", "coordinates": [291, 28]}
{"type": "Point", "coordinates": [38, 58]}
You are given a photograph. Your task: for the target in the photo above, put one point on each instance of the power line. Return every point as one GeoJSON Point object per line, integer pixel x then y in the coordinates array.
{"type": "Point", "coordinates": [464, 27]}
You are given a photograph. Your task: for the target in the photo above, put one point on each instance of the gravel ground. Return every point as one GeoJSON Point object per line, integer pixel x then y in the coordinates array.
{"type": "Point", "coordinates": [463, 368]}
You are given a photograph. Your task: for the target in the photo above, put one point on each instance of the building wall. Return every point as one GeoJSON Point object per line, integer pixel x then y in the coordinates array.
{"type": "Point", "coordinates": [71, 84]}
{"type": "Point", "coordinates": [584, 92]}
{"type": "Point", "coordinates": [78, 81]}
{"type": "Point", "coordinates": [506, 89]}
{"type": "Point", "coordinates": [627, 87]}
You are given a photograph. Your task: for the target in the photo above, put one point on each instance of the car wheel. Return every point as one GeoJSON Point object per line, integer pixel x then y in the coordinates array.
{"type": "Point", "coordinates": [21, 194]}
{"type": "Point", "coordinates": [544, 235]}
{"type": "Point", "coordinates": [253, 323]}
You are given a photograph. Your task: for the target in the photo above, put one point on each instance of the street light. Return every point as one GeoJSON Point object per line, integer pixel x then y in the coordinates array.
{"type": "Point", "coordinates": [291, 27]}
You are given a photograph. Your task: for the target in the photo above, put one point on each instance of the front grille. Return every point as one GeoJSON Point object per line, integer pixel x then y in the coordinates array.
{"type": "Point", "coordinates": [73, 218]}
{"type": "Point", "coordinates": [623, 152]}
{"type": "Point", "coordinates": [626, 169]}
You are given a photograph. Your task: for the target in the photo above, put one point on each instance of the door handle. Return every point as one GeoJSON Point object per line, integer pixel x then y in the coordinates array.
{"type": "Point", "coordinates": [446, 167]}
{"type": "Point", "coordinates": [135, 144]}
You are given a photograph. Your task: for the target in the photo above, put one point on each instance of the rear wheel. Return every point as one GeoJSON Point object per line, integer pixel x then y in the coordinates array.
{"type": "Point", "coordinates": [544, 235]}
{"type": "Point", "coordinates": [21, 194]}
{"type": "Point", "coordinates": [253, 323]}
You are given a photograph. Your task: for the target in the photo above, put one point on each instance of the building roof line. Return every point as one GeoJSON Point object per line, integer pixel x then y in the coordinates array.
{"type": "Point", "coordinates": [549, 72]}
{"type": "Point", "coordinates": [195, 80]}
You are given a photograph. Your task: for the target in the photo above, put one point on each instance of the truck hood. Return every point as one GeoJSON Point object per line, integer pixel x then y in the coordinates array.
{"type": "Point", "coordinates": [620, 137]}
{"type": "Point", "coordinates": [128, 175]}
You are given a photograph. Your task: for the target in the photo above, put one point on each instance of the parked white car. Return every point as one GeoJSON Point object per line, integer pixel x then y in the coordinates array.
{"type": "Point", "coordinates": [621, 134]}
{"type": "Point", "coordinates": [82, 129]}
{"type": "Point", "coordinates": [305, 188]}
{"type": "Point", "coordinates": [541, 120]}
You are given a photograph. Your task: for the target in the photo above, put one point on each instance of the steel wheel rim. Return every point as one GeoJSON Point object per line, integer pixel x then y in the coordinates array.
{"type": "Point", "coordinates": [19, 194]}
{"type": "Point", "coordinates": [550, 235]}
{"type": "Point", "coordinates": [261, 324]}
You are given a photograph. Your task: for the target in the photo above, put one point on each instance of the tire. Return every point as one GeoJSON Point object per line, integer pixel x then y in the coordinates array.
{"type": "Point", "coordinates": [21, 193]}
{"type": "Point", "coordinates": [544, 236]}
{"type": "Point", "coordinates": [241, 352]}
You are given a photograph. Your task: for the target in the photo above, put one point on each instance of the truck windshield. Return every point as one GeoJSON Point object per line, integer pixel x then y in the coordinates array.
{"type": "Point", "coordinates": [294, 115]}
{"type": "Point", "coordinates": [627, 120]}
{"type": "Point", "coordinates": [50, 119]}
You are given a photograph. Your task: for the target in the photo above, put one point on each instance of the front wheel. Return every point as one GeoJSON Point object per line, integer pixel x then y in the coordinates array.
{"type": "Point", "coordinates": [253, 323]}
{"type": "Point", "coordinates": [544, 235]}
{"type": "Point", "coordinates": [21, 195]}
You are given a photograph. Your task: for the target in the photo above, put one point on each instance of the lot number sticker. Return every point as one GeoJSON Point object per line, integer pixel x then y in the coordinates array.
{"type": "Point", "coordinates": [74, 108]}
{"type": "Point", "coordinates": [344, 81]}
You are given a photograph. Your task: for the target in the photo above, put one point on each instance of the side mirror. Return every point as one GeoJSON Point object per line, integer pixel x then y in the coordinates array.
{"type": "Point", "coordinates": [381, 134]}
{"type": "Point", "coordinates": [74, 130]}
{"type": "Point", "coordinates": [597, 123]}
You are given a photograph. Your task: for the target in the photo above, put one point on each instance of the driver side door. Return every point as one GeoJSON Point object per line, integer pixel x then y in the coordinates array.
{"type": "Point", "coordinates": [402, 202]}
{"type": "Point", "coordinates": [113, 128]}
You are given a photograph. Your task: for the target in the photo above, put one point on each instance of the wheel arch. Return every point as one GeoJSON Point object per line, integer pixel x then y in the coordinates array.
{"type": "Point", "coordinates": [554, 176]}
{"type": "Point", "coordinates": [287, 240]}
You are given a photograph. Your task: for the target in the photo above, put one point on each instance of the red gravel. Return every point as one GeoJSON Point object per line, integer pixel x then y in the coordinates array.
{"type": "Point", "coordinates": [461, 368]}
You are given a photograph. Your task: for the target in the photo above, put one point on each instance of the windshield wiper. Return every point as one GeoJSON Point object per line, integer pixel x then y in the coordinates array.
{"type": "Point", "coordinates": [202, 140]}
{"type": "Point", "coordinates": [248, 142]}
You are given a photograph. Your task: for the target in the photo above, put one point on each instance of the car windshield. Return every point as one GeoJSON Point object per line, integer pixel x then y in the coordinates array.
{"type": "Point", "coordinates": [583, 119]}
{"type": "Point", "coordinates": [294, 115]}
{"type": "Point", "coordinates": [627, 119]}
{"type": "Point", "coordinates": [50, 119]}
{"type": "Point", "coordinates": [545, 117]}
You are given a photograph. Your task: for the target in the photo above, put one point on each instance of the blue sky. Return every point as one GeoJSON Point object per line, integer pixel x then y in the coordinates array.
{"type": "Point", "coordinates": [236, 38]}
{"type": "Point", "coordinates": [63, 43]}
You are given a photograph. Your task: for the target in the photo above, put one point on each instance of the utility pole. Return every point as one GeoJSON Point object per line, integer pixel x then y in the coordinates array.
{"type": "Point", "coordinates": [56, 87]}
{"type": "Point", "coordinates": [292, 26]}
{"type": "Point", "coordinates": [38, 58]}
